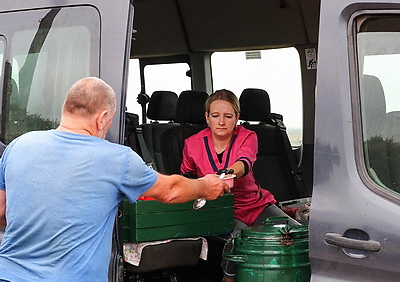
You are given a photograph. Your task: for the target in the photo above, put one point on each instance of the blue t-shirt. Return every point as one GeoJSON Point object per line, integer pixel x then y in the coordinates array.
{"type": "Point", "coordinates": [62, 193]}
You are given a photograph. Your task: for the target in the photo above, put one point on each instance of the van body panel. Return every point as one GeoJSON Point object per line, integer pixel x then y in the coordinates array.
{"type": "Point", "coordinates": [33, 35]}
{"type": "Point", "coordinates": [342, 201]}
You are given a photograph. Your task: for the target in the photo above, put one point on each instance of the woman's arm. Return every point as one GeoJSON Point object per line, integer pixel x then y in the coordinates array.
{"type": "Point", "coordinates": [238, 169]}
{"type": "Point", "coordinates": [246, 155]}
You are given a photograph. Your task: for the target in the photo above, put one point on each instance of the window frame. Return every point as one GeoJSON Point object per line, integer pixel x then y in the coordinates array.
{"type": "Point", "coordinates": [360, 157]}
{"type": "Point", "coordinates": [143, 63]}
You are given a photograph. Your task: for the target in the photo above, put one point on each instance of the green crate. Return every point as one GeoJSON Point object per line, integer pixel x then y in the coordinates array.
{"type": "Point", "coordinates": [145, 221]}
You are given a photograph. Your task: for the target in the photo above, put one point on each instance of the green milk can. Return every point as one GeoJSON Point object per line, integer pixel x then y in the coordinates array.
{"type": "Point", "coordinates": [274, 251]}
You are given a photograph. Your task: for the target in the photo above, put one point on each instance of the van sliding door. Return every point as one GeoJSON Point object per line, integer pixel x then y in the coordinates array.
{"type": "Point", "coordinates": [46, 46]}
{"type": "Point", "coordinates": [41, 62]}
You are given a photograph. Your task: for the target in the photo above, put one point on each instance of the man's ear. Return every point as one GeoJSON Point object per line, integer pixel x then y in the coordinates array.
{"type": "Point", "coordinates": [101, 120]}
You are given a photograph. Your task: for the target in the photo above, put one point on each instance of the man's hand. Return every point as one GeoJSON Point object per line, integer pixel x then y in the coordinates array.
{"type": "Point", "coordinates": [174, 189]}
{"type": "Point", "coordinates": [215, 187]}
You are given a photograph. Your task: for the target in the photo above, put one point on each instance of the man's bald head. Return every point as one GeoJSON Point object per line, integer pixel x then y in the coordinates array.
{"type": "Point", "coordinates": [89, 96]}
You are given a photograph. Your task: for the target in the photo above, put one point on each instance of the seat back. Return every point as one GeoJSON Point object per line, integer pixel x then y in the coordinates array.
{"type": "Point", "coordinates": [373, 106]}
{"type": "Point", "coordinates": [374, 119]}
{"type": "Point", "coordinates": [272, 168]}
{"type": "Point", "coordinates": [161, 113]}
{"type": "Point", "coordinates": [391, 129]}
{"type": "Point", "coordinates": [191, 119]}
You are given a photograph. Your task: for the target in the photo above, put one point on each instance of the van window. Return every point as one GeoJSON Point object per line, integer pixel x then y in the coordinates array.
{"type": "Point", "coordinates": [170, 77]}
{"type": "Point", "coordinates": [277, 71]}
{"type": "Point", "coordinates": [49, 51]}
{"type": "Point", "coordinates": [134, 87]}
{"type": "Point", "coordinates": [378, 49]}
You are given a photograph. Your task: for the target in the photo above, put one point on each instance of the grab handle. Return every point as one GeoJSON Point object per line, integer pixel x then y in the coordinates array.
{"type": "Point", "coordinates": [339, 240]}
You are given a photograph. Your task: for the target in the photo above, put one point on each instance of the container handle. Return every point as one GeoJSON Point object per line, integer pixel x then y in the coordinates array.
{"type": "Point", "coordinates": [235, 258]}
{"type": "Point", "coordinates": [275, 220]}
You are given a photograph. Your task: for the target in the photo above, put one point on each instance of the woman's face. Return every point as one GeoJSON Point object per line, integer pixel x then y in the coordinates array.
{"type": "Point", "coordinates": [221, 118]}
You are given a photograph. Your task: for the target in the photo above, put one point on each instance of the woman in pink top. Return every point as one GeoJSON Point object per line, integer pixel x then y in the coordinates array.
{"type": "Point", "coordinates": [226, 145]}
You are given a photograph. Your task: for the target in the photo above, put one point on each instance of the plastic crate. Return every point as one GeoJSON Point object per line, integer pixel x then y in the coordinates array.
{"type": "Point", "coordinates": [150, 220]}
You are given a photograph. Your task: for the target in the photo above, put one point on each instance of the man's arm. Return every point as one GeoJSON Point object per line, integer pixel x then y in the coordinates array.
{"type": "Point", "coordinates": [175, 189]}
{"type": "Point", "coordinates": [3, 207]}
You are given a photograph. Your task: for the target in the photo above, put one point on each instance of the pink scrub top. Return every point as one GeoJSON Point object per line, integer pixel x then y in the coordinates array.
{"type": "Point", "coordinates": [200, 158]}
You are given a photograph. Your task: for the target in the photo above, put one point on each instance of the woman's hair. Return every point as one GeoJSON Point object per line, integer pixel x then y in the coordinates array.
{"type": "Point", "coordinates": [224, 95]}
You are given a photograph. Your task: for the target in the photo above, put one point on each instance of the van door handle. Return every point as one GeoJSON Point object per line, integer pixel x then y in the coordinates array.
{"type": "Point", "coordinates": [339, 240]}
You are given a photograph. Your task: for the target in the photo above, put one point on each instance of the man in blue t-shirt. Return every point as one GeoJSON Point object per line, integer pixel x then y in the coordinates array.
{"type": "Point", "coordinates": [60, 189]}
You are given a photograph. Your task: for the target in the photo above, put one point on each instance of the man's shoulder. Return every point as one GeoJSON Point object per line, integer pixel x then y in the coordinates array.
{"type": "Point", "coordinates": [31, 135]}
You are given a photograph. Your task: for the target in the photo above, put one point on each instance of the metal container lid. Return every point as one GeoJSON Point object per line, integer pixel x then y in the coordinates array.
{"type": "Point", "coordinates": [275, 228]}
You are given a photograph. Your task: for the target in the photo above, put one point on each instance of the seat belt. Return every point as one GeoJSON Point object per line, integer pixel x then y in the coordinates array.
{"type": "Point", "coordinates": [295, 170]}
{"type": "Point", "coordinates": [131, 121]}
{"type": "Point", "coordinates": [143, 148]}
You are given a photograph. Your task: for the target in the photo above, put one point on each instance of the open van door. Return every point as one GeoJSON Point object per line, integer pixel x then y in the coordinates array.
{"type": "Point", "coordinates": [354, 221]}
{"type": "Point", "coordinates": [46, 46]}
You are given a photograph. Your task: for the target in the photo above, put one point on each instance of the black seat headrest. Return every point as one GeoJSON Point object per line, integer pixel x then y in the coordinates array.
{"type": "Point", "coordinates": [190, 107]}
{"type": "Point", "coordinates": [255, 105]}
{"type": "Point", "coordinates": [162, 105]}
{"type": "Point", "coordinates": [374, 105]}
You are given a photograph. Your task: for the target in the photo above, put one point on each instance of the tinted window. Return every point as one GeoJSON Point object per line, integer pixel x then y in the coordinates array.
{"type": "Point", "coordinates": [48, 51]}
{"type": "Point", "coordinates": [378, 48]}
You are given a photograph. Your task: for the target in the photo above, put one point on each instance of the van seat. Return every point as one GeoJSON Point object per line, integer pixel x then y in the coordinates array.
{"type": "Point", "coordinates": [272, 168]}
{"type": "Point", "coordinates": [378, 126]}
{"type": "Point", "coordinates": [374, 106]}
{"type": "Point", "coordinates": [162, 106]}
{"type": "Point", "coordinates": [161, 113]}
{"type": "Point", "coordinates": [190, 116]}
